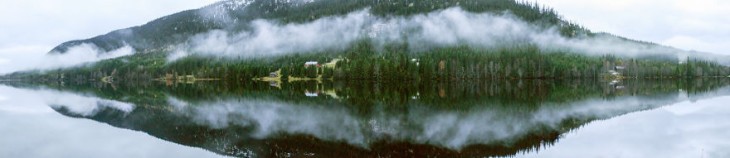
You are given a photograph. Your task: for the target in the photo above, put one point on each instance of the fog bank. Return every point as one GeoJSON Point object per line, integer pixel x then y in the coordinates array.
{"type": "Point", "coordinates": [75, 56]}
{"type": "Point", "coordinates": [444, 28]}
{"type": "Point", "coordinates": [420, 124]}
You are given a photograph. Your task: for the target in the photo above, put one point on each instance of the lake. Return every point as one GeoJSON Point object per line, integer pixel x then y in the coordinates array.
{"type": "Point", "coordinates": [513, 118]}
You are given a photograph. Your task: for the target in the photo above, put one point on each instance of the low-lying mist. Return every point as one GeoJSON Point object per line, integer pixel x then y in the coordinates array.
{"type": "Point", "coordinates": [422, 32]}
{"type": "Point", "coordinates": [455, 129]}
{"type": "Point", "coordinates": [444, 28]}
{"type": "Point", "coordinates": [79, 104]}
{"type": "Point", "coordinates": [75, 56]}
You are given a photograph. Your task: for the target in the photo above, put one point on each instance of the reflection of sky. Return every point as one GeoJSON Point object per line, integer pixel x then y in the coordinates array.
{"type": "Point", "coordinates": [686, 129]}
{"type": "Point", "coordinates": [31, 129]}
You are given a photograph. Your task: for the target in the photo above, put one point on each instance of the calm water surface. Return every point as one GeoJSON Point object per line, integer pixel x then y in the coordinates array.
{"type": "Point", "coordinates": [530, 118]}
{"type": "Point", "coordinates": [33, 129]}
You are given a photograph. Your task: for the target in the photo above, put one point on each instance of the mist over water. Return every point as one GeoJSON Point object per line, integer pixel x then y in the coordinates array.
{"type": "Point", "coordinates": [451, 119]}
{"type": "Point", "coordinates": [81, 105]}
{"type": "Point", "coordinates": [483, 124]}
{"type": "Point", "coordinates": [31, 128]}
{"type": "Point", "coordinates": [81, 55]}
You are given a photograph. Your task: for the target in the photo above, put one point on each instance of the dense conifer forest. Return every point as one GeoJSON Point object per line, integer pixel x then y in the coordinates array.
{"type": "Point", "coordinates": [362, 60]}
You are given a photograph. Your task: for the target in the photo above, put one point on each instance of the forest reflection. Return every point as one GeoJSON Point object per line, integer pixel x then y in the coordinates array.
{"type": "Point", "coordinates": [370, 119]}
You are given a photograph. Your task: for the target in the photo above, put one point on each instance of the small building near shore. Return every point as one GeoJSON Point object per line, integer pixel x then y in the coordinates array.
{"type": "Point", "coordinates": [273, 74]}
{"type": "Point", "coordinates": [311, 63]}
{"type": "Point", "coordinates": [311, 94]}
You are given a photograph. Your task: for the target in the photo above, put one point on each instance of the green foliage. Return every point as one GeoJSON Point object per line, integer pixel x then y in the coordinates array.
{"type": "Point", "coordinates": [157, 113]}
{"type": "Point", "coordinates": [362, 61]}
{"type": "Point", "coordinates": [394, 63]}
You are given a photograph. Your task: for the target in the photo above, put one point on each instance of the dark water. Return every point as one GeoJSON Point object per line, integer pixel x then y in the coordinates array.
{"type": "Point", "coordinates": [528, 118]}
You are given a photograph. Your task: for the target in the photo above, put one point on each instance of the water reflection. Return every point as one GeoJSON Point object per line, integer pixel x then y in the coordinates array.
{"type": "Point", "coordinates": [685, 129]}
{"type": "Point", "coordinates": [310, 119]}
{"type": "Point", "coordinates": [31, 129]}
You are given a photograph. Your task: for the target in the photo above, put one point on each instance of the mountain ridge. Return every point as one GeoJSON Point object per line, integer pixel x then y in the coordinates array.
{"type": "Point", "coordinates": [376, 40]}
{"type": "Point", "coordinates": [236, 15]}
{"type": "Point", "coordinates": [168, 32]}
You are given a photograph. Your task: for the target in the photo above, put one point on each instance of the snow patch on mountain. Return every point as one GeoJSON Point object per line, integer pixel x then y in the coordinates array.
{"type": "Point", "coordinates": [220, 13]}
{"type": "Point", "coordinates": [236, 4]}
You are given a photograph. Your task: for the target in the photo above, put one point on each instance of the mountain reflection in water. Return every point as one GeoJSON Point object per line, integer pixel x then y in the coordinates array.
{"type": "Point", "coordinates": [368, 119]}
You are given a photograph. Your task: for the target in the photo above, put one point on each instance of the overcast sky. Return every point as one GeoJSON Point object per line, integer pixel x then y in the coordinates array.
{"type": "Point", "coordinates": [702, 25]}
{"type": "Point", "coordinates": [30, 28]}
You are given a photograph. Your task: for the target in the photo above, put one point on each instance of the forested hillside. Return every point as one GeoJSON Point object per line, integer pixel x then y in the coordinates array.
{"type": "Point", "coordinates": [362, 63]}
{"type": "Point", "coordinates": [370, 58]}
{"type": "Point", "coordinates": [236, 15]}
{"type": "Point", "coordinates": [172, 112]}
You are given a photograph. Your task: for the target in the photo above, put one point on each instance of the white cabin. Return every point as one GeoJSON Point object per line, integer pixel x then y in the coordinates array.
{"type": "Point", "coordinates": [311, 63]}
{"type": "Point", "coordinates": [311, 94]}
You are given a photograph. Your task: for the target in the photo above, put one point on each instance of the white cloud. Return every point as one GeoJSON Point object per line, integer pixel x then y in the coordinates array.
{"type": "Point", "coordinates": [703, 7]}
{"type": "Point", "coordinates": [449, 27]}
{"type": "Point", "coordinates": [38, 131]}
{"type": "Point", "coordinates": [85, 53]}
{"type": "Point", "coordinates": [20, 57]}
{"type": "Point", "coordinates": [684, 129]}
{"type": "Point", "coordinates": [693, 43]}
{"type": "Point", "coordinates": [21, 101]}
{"type": "Point", "coordinates": [654, 20]}
{"type": "Point", "coordinates": [53, 22]}
{"type": "Point", "coordinates": [415, 123]}
{"type": "Point", "coordinates": [31, 28]}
